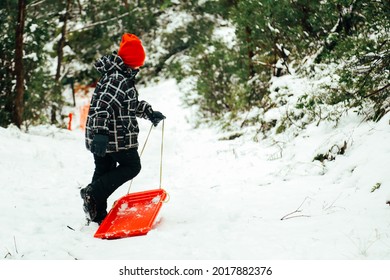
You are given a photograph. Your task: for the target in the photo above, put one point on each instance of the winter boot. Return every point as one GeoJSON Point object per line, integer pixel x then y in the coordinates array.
{"type": "Point", "coordinates": [94, 211]}
{"type": "Point", "coordinates": [101, 214]}
{"type": "Point", "coordinates": [89, 204]}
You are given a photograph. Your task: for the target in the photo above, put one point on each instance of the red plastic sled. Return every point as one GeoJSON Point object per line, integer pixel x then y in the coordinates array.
{"type": "Point", "coordinates": [132, 215]}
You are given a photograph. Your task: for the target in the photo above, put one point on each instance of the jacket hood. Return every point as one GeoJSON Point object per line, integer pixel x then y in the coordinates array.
{"type": "Point", "coordinates": [111, 63]}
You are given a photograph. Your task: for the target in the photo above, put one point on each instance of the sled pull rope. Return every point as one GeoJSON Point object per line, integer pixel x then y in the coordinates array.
{"type": "Point", "coordinates": [146, 141]}
{"type": "Point", "coordinates": [162, 149]}
{"type": "Point", "coordinates": [140, 154]}
{"type": "Point", "coordinates": [168, 197]}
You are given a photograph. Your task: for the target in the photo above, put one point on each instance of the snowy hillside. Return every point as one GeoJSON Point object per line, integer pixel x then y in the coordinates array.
{"type": "Point", "coordinates": [236, 199]}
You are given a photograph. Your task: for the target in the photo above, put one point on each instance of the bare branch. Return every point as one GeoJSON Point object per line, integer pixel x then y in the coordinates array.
{"type": "Point", "coordinates": [289, 215]}
{"type": "Point", "coordinates": [377, 91]}
{"type": "Point", "coordinates": [8, 254]}
{"type": "Point", "coordinates": [72, 256]}
{"type": "Point", "coordinates": [296, 216]}
{"type": "Point", "coordinates": [69, 227]}
{"type": "Point", "coordinates": [16, 248]}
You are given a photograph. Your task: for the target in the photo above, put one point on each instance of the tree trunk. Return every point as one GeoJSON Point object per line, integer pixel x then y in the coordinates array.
{"type": "Point", "coordinates": [255, 93]}
{"type": "Point", "coordinates": [60, 56]}
{"type": "Point", "coordinates": [17, 114]}
{"type": "Point", "coordinates": [62, 41]}
{"type": "Point", "coordinates": [251, 67]}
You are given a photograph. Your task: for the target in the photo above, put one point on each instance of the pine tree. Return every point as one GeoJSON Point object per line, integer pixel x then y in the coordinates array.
{"type": "Point", "coordinates": [7, 47]}
{"type": "Point", "coordinates": [18, 106]}
{"type": "Point", "coordinates": [26, 101]}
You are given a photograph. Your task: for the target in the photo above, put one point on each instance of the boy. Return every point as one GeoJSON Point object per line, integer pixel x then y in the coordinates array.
{"type": "Point", "coordinates": [112, 127]}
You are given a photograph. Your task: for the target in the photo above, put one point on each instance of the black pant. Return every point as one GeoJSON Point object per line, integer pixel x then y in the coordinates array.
{"type": "Point", "coordinates": [113, 170]}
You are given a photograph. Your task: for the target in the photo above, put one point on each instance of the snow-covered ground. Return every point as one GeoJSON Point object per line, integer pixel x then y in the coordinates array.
{"type": "Point", "coordinates": [236, 199]}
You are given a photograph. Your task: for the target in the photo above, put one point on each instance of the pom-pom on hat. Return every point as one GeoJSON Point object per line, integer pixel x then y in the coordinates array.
{"type": "Point", "coordinates": [131, 51]}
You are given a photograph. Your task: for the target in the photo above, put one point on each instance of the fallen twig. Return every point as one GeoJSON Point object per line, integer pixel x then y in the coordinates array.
{"type": "Point", "coordinates": [16, 248]}
{"type": "Point", "coordinates": [69, 227]}
{"type": "Point", "coordinates": [8, 254]}
{"type": "Point", "coordinates": [72, 256]}
{"type": "Point", "coordinates": [289, 215]}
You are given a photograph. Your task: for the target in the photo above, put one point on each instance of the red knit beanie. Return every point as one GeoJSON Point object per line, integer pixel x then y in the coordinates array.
{"type": "Point", "coordinates": [131, 51]}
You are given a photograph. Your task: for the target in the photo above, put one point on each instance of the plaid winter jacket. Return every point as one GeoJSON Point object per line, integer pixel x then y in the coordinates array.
{"type": "Point", "coordinates": [115, 106]}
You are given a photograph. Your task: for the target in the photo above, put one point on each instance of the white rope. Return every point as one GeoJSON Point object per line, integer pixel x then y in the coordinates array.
{"type": "Point", "coordinates": [142, 151]}
{"type": "Point", "coordinates": [162, 149]}
{"type": "Point", "coordinates": [161, 154]}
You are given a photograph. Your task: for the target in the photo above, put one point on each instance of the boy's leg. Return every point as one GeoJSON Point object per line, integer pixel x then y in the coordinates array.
{"type": "Point", "coordinates": [102, 166]}
{"type": "Point", "coordinates": [94, 205]}
{"type": "Point", "coordinates": [129, 167]}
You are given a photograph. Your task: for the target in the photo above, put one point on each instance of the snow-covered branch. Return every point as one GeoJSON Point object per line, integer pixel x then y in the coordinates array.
{"type": "Point", "coordinates": [98, 23]}
{"type": "Point", "coordinates": [36, 3]}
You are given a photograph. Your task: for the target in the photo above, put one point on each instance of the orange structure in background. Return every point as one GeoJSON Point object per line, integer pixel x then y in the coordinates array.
{"type": "Point", "coordinates": [83, 116]}
{"type": "Point", "coordinates": [83, 93]}
{"type": "Point", "coordinates": [70, 121]}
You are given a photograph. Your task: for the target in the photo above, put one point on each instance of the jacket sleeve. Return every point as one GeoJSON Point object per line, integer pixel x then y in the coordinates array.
{"type": "Point", "coordinates": [144, 110]}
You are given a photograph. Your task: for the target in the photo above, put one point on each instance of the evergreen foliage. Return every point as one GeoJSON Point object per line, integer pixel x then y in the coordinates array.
{"type": "Point", "coordinates": [359, 44]}
{"type": "Point", "coordinates": [37, 77]}
{"type": "Point", "coordinates": [6, 57]}
{"type": "Point", "coordinates": [231, 50]}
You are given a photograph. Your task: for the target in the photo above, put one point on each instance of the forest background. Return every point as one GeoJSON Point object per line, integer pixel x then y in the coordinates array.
{"type": "Point", "coordinates": [225, 55]}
